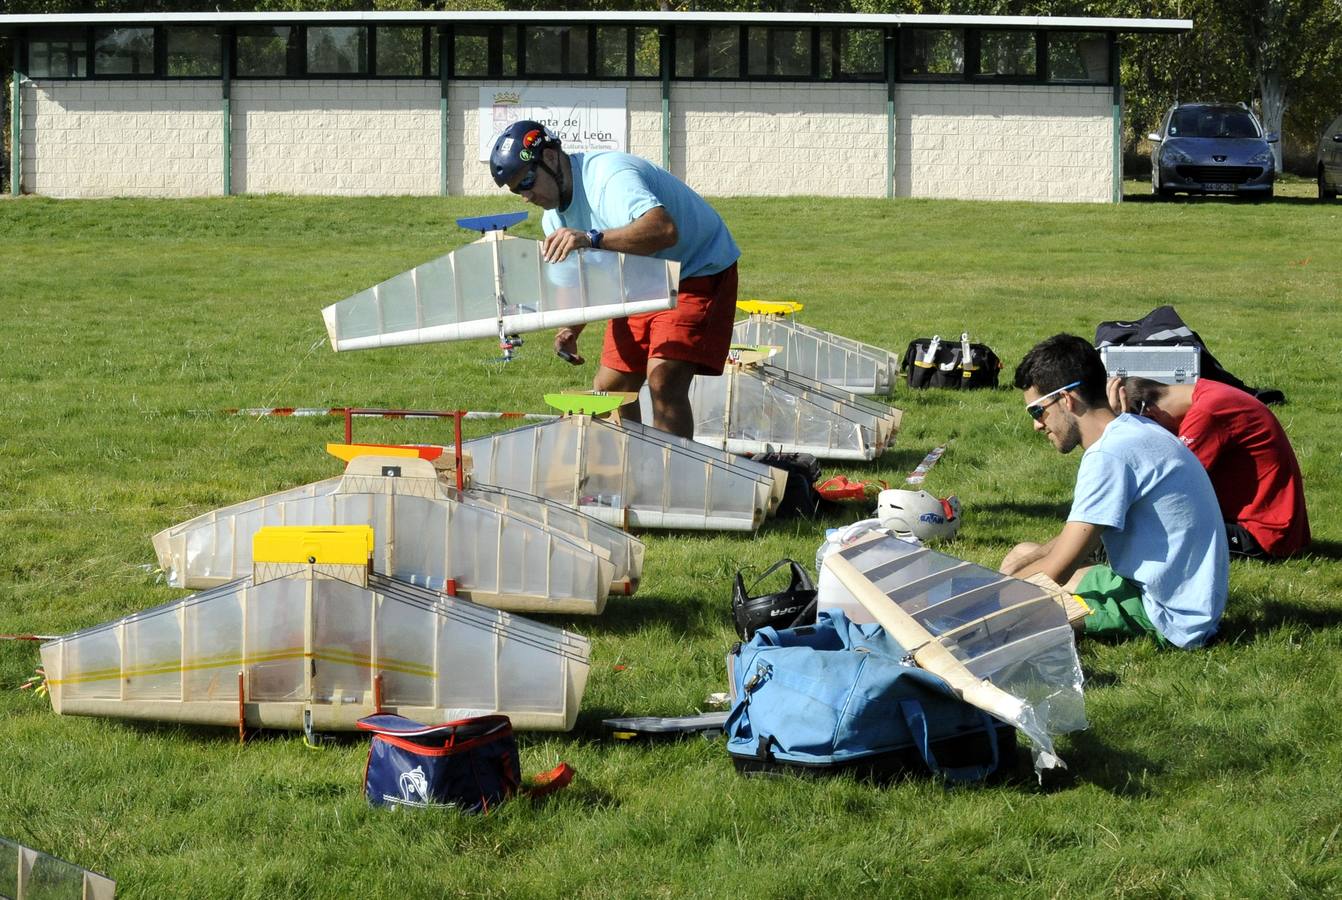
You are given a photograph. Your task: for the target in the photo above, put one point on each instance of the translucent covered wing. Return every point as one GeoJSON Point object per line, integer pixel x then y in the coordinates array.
{"type": "Point", "coordinates": [630, 475]}
{"type": "Point", "coordinates": [312, 641]}
{"type": "Point", "coordinates": [754, 409]}
{"type": "Point", "coordinates": [1003, 644]}
{"type": "Point", "coordinates": [822, 355]}
{"type": "Point", "coordinates": [500, 282]}
{"type": "Point", "coordinates": [424, 534]}
{"type": "Point", "coordinates": [625, 550]}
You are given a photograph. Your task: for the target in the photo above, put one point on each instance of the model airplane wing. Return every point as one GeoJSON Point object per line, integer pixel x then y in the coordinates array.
{"type": "Point", "coordinates": [500, 285]}
{"type": "Point", "coordinates": [1002, 644]}
{"type": "Point", "coordinates": [323, 641]}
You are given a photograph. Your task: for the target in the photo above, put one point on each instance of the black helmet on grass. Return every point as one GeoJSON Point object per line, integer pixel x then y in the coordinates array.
{"type": "Point", "coordinates": [787, 608]}
{"type": "Point", "coordinates": [519, 147]}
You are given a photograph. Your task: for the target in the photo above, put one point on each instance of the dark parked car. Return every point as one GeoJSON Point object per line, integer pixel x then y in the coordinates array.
{"type": "Point", "coordinates": [1329, 162]}
{"type": "Point", "coordinates": [1212, 148]}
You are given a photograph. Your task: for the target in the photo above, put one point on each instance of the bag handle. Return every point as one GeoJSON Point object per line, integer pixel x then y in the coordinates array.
{"type": "Point", "coordinates": [916, 719]}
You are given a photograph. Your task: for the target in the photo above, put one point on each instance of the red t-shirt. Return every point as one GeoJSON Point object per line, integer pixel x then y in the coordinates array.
{"type": "Point", "coordinates": [1251, 464]}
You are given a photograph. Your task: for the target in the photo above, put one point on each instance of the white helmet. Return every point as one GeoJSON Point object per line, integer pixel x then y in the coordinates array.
{"type": "Point", "coordinates": [918, 513]}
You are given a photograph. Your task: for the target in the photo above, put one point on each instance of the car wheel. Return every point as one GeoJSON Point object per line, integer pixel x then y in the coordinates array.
{"type": "Point", "coordinates": [1165, 193]}
{"type": "Point", "coordinates": [1325, 192]}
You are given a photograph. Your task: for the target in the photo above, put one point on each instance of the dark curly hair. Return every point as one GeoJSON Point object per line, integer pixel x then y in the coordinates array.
{"type": "Point", "coordinates": [1060, 360]}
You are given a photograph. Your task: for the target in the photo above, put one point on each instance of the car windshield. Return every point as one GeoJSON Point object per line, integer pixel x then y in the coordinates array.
{"type": "Point", "coordinates": [1213, 123]}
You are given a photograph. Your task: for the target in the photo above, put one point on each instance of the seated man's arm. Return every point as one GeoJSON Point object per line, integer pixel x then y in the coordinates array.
{"type": "Point", "coordinates": [1061, 557]}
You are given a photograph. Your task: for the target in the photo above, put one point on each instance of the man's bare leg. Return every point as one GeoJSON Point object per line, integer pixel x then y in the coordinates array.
{"type": "Point", "coordinates": [669, 383]}
{"type": "Point", "coordinates": [608, 379]}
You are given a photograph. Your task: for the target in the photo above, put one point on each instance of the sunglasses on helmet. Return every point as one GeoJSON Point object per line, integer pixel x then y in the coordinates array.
{"type": "Point", "coordinates": [1036, 409]}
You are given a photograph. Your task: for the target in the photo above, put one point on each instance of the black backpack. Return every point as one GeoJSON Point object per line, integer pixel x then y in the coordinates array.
{"type": "Point", "coordinates": [1162, 327]}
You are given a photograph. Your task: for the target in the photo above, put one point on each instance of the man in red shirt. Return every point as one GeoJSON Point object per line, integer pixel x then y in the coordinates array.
{"type": "Point", "coordinates": [1246, 454]}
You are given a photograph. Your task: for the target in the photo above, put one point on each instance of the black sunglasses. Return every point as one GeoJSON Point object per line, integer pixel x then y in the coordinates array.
{"type": "Point", "coordinates": [527, 183]}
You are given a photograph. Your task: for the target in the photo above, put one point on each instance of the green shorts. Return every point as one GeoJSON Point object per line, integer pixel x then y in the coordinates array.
{"type": "Point", "coordinates": [1116, 609]}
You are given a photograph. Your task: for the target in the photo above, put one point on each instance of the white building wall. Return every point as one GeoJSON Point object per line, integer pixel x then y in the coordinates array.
{"type": "Point", "coordinates": [974, 141]}
{"type": "Point", "coordinates": [739, 138]}
{"type": "Point", "coordinates": [122, 138]}
{"type": "Point", "coordinates": [335, 137]}
{"type": "Point", "coordinates": [1004, 142]}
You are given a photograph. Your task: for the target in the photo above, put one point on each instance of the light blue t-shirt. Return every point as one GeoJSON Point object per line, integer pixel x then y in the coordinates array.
{"type": "Point", "coordinates": [1163, 525]}
{"type": "Point", "coordinates": [612, 189]}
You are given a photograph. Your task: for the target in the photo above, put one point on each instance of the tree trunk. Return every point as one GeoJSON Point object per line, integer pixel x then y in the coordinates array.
{"type": "Point", "coordinates": [1273, 96]}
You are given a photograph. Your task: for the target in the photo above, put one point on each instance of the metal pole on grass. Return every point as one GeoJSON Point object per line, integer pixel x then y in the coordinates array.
{"type": "Point", "coordinates": [16, 119]}
{"type": "Point", "coordinates": [890, 62]}
{"type": "Point", "coordinates": [444, 70]}
{"type": "Point", "coordinates": [226, 90]}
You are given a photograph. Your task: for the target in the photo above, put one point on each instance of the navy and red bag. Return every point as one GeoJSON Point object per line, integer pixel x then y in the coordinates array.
{"type": "Point", "coordinates": [470, 764]}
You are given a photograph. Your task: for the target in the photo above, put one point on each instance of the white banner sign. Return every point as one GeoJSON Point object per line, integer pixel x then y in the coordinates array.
{"type": "Point", "coordinates": [583, 118]}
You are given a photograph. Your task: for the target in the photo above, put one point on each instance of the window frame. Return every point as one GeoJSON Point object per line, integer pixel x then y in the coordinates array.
{"type": "Point", "coordinates": [498, 35]}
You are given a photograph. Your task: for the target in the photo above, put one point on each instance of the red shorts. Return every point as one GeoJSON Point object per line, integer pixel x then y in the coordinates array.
{"type": "Point", "coordinates": [698, 330]}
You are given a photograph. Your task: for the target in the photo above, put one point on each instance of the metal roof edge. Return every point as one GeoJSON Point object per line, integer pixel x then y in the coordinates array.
{"type": "Point", "coordinates": [1083, 23]}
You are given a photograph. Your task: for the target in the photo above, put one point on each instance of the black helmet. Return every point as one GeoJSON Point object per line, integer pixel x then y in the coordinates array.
{"type": "Point", "coordinates": [519, 147]}
{"type": "Point", "coordinates": [785, 609]}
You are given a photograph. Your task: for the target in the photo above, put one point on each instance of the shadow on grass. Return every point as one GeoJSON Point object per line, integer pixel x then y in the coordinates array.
{"type": "Point", "coordinates": [1247, 625]}
{"type": "Point", "coordinates": [1328, 550]}
{"type": "Point", "coordinates": [1090, 760]}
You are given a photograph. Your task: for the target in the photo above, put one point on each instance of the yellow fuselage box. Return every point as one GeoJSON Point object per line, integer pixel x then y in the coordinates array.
{"type": "Point", "coordinates": [328, 544]}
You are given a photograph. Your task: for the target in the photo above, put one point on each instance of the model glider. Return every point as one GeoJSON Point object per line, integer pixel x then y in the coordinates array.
{"type": "Point", "coordinates": [499, 286]}
{"type": "Point", "coordinates": [821, 355]}
{"type": "Point", "coordinates": [629, 475]}
{"type": "Point", "coordinates": [313, 638]}
{"type": "Point", "coordinates": [1003, 644]}
{"type": "Point", "coordinates": [754, 407]}
{"type": "Point", "coordinates": [427, 535]}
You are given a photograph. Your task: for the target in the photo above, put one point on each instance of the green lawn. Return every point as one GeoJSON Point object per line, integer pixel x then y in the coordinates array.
{"type": "Point", "coordinates": [127, 326]}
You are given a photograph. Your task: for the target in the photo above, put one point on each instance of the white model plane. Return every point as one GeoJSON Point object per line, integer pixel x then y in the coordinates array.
{"type": "Point", "coordinates": [313, 638]}
{"type": "Point", "coordinates": [499, 286]}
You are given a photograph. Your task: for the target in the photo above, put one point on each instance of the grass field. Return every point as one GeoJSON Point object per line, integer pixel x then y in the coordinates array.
{"type": "Point", "coordinates": [128, 326]}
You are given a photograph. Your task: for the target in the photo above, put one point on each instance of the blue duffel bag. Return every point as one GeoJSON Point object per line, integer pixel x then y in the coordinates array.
{"type": "Point", "coordinates": [837, 695]}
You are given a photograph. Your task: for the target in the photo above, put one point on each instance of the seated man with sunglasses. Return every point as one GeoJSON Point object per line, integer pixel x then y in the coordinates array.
{"type": "Point", "coordinates": [1139, 491]}
{"type": "Point", "coordinates": [1245, 451]}
{"type": "Point", "coordinates": [607, 200]}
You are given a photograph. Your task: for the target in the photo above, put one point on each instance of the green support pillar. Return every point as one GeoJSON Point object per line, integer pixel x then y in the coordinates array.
{"type": "Point", "coordinates": [16, 122]}
{"type": "Point", "coordinates": [444, 69]}
{"type": "Point", "coordinates": [1114, 71]}
{"type": "Point", "coordinates": [664, 60]}
{"type": "Point", "coordinates": [226, 113]}
{"type": "Point", "coordinates": [890, 62]}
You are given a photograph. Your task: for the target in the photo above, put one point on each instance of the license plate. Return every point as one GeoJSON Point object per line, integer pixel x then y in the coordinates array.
{"type": "Point", "coordinates": [1219, 187]}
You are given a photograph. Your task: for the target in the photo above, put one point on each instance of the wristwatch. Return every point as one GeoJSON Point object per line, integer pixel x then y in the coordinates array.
{"type": "Point", "coordinates": [594, 238]}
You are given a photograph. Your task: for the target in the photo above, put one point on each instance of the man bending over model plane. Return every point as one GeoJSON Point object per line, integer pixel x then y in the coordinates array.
{"type": "Point", "coordinates": [1140, 492]}
{"type": "Point", "coordinates": [615, 201]}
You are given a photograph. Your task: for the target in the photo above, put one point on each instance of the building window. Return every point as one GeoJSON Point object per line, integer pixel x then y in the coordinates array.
{"type": "Point", "coordinates": [862, 54]}
{"type": "Point", "coordinates": [123, 51]}
{"type": "Point", "coordinates": [400, 52]}
{"type": "Point", "coordinates": [1078, 56]}
{"type": "Point", "coordinates": [647, 53]}
{"type": "Point", "coordinates": [555, 50]}
{"type": "Point", "coordinates": [778, 52]}
{"type": "Point", "coordinates": [932, 53]}
{"type": "Point", "coordinates": [58, 53]}
{"type": "Point", "coordinates": [1007, 54]}
{"type": "Point", "coordinates": [264, 51]}
{"type": "Point", "coordinates": [470, 52]}
{"type": "Point", "coordinates": [708, 51]}
{"type": "Point", "coordinates": [612, 52]}
{"type": "Point", "coordinates": [192, 51]}
{"type": "Point", "coordinates": [337, 50]}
